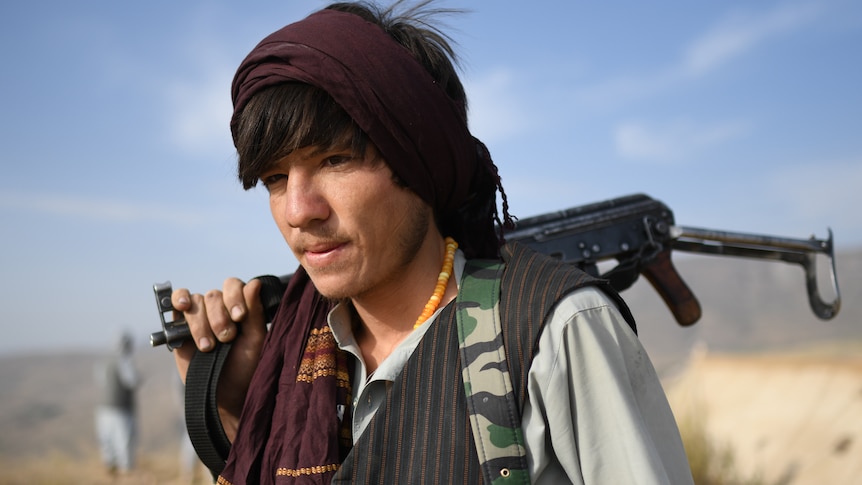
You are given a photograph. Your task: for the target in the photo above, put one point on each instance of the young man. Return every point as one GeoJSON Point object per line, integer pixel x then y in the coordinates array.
{"type": "Point", "coordinates": [355, 122]}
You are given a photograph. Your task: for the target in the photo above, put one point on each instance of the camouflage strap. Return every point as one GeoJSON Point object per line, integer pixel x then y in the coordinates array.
{"type": "Point", "coordinates": [494, 415]}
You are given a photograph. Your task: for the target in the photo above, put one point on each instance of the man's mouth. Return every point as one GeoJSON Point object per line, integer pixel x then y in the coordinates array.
{"type": "Point", "coordinates": [322, 253]}
{"type": "Point", "coordinates": [321, 247]}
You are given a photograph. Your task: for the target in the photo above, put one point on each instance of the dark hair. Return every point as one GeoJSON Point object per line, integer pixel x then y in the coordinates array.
{"type": "Point", "coordinates": [286, 117]}
{"type": "Point", "coordinates": [283, 118]}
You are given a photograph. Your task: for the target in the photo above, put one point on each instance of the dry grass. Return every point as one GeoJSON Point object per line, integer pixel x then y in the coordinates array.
{"type": "Point", "coordinates": [56, 468]}
{"type": "Point", "coordinates": [745, 419]}
{"type": "Point", "coordinates": [711, 465]}
{"type": "Point", "coordinates": [711, 462]}
{"type": "Point", "coordinates": [790, 417]}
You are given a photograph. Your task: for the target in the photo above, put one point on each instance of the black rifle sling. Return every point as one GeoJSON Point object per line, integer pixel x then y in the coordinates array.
{"type": "Point", "coordinates": [202, 419]}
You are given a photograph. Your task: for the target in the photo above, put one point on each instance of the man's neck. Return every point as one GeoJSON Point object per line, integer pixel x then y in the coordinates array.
{"type": "Point", "coordinates": [388, 313]}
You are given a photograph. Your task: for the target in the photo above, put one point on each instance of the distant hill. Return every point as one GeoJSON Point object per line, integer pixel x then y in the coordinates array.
{"type": "Point", "coordinates": [47, 401]}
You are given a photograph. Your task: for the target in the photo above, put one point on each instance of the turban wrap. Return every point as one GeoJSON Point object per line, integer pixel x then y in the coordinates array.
{"type": "Point", "coordinates": [423, 136]}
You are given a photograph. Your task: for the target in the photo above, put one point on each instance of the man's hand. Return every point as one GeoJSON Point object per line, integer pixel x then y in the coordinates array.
{"type": "Point", "coordinates": [234, 314]}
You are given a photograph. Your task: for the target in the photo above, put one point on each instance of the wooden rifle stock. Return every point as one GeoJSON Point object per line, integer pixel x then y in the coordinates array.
{"type": "Point", "coordinates": [663, 276]}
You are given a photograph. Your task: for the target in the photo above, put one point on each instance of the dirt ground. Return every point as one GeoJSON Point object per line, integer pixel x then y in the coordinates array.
{"type": "Point", "coordinates": [151, 468]}
{"type": "Point", "coordinates": [790, 418]}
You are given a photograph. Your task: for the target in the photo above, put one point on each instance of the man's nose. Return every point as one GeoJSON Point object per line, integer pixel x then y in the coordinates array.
{"type": "Point", "coordinates": [304, 202]}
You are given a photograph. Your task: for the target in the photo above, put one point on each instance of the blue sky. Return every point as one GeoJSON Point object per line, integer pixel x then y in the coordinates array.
{"type": "Point", "coordinates": [118, 169]}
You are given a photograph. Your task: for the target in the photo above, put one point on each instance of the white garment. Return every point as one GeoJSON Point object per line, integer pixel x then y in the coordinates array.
{"type": "Point", "coordinates": [116, 432]}
{"type": "Point", "coordinates": [596, 412]}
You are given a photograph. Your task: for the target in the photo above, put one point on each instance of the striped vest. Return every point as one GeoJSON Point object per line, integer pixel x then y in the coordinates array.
{"type": "Point", "coordinates": [421, 433]}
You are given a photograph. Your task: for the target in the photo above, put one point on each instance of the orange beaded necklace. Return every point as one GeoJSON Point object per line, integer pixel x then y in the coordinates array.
{"type": "Point", "coordinates": [442, 281]}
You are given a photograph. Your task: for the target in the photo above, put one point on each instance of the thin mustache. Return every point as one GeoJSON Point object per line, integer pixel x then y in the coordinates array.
{"type": "Point", "coordinates": [320, 242]}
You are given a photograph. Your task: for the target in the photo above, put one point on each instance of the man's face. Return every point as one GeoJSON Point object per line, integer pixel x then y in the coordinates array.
{"type": "Point", "coordinates": [352, 228]}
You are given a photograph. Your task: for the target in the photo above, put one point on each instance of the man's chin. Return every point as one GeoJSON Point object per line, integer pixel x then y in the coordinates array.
{"type": "Point", "coordinates": [331, 286]}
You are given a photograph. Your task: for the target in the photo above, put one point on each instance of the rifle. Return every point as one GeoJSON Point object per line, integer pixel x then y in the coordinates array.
{"type": "Point", "coordinates": [640, 233]}
{"type": "Point", "coordinates": [637, 231]}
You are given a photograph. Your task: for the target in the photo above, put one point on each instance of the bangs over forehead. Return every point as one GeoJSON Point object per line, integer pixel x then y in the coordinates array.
{"type": "Point", "coordinates": [286, 117]}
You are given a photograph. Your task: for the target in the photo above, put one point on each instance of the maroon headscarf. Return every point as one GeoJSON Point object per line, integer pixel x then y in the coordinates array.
{"type": "Point", "coordinates": [289, 429]}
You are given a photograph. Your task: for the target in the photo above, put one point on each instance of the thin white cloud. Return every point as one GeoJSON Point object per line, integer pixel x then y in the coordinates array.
{"type": "Point", "coordinates": [198, 103]}
{"type": "Point", "coordinates": [200, 110]}
{"type": "Point", "coordinates": [734, 36]}
{"type": "Point", "coordinates": [672, 142]}
{"type": "Point", "coordinates": [496, 112]}
{"type": "Point", "coordinates": [197, 94]}
{"type": "Point", "coordinates": [740, 33]}
{"type": "Point", "coordinates": [92, 208]}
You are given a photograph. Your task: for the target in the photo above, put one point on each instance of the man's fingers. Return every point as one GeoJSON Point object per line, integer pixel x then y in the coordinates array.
{"type": "Point", "coordinates": [234, 299]}
{"type": "Point", "coordinates": [220, 321]}
{"type": "Point", "coordinates": [181, 300]}
{"type": "Point", "coordinates": [197, 318]}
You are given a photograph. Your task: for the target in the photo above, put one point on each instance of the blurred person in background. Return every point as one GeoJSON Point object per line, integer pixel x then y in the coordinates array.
{"type": "Point", "coordinates": [116, 427]}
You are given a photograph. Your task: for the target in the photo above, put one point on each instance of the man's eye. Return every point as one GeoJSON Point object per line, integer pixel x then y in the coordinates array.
{"type": "Point", "coordinates": [270, 180]}
{"type": "Point", "coordinates": [339, 159]}
{"type": "Point", "coordinates": [336, 160]}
